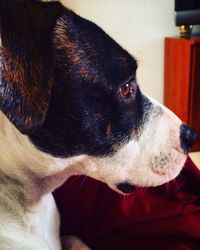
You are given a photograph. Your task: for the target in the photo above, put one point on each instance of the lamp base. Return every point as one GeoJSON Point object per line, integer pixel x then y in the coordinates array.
{"type": "Point", "coordinates": [185, 30]}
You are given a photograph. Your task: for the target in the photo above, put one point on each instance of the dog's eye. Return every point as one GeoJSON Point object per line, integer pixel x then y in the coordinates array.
{"type": "Point", "coordinates": [127, 90]}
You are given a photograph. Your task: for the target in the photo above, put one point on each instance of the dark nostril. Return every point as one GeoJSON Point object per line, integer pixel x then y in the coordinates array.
{"type": "Point", "coordinates": [188, 137]}
{"type": "Point", "coordinates": [126, 187]}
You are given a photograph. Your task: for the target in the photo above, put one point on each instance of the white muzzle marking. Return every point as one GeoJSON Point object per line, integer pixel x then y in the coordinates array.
{"type": "Point", "coordinates": [152, 159]}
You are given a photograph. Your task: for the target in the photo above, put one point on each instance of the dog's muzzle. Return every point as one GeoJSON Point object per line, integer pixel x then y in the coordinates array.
{"type": "Point", "coordinates": [187, 137]}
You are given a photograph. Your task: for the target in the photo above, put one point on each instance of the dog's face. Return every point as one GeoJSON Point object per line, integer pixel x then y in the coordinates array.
{"type": "Point", "coordinates": [73, 92]}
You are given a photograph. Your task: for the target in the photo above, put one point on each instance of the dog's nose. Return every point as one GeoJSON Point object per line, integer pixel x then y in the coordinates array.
{"type": "Point", "coordinates": [188, 137]}
{"type": "Point", "coordinates": [126, 187]}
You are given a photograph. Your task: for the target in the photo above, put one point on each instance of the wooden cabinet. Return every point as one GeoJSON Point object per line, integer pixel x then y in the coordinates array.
{"type": "Point", "coordinates": [182, 80]}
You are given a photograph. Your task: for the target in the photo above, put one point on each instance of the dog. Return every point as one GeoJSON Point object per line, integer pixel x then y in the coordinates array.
{"type": "Point", "coordinates": [70, 104]}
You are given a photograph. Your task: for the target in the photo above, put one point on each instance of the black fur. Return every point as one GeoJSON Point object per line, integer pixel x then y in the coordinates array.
{"type": "Point", "coordinates": [187, 137]}
{"type": "Point", "coordinates": [26, 61]}
{"type": "Point", "coordinates": [87, 114]}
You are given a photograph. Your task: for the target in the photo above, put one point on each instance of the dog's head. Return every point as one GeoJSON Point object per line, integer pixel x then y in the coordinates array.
{"type": "Point", "coordinates": [72, 91]}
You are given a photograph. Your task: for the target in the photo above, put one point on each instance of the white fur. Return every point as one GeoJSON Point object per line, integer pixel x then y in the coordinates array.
{"type": "Point", "coordinates": [32, 225]}
{"type": "Point", "coordinates": [39, 229]}
{"type": "Point", "coordinates": [153, 158]}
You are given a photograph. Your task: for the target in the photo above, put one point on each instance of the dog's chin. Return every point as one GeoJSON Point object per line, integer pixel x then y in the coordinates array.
{"type": "Point", "coordinates": [153, 177]}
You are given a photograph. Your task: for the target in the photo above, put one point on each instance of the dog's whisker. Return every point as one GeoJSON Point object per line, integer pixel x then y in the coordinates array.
{"type": "Point", "coordinates": [176, 184]}
{"type": "Point", "coordinates": [86, 175]}
{"type": "Point", "coordinates": [124, 197]}
{"type": "Point", "coordinates": [75, 179]}
{"type": "Point", "coordinates": [144, 190]}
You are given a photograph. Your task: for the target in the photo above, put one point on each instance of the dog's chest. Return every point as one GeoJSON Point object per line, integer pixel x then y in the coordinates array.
{"type": "Point", "coordinates": [44, 221]}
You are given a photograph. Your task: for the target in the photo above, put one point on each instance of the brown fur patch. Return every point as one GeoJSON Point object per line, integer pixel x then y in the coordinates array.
{"type": "Point", "coordinates": [108, 130]}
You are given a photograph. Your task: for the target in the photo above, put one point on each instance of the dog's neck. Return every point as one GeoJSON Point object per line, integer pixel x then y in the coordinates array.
{"type": "Point", "coordinates": [18, 155]}
{"type": "Point", "coordinates": [26, 173]}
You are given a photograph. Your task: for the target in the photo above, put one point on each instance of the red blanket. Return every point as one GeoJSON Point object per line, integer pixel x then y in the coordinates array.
{"type": "Point", "coordinates": [165, 217]}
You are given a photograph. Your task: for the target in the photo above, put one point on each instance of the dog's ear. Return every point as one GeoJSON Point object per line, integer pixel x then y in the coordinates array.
{"type": "Point", "coordinates": [26, 60]}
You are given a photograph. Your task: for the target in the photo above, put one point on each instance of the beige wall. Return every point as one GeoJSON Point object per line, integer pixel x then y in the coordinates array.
{"type": "Point", "coordinates": [140, 27]}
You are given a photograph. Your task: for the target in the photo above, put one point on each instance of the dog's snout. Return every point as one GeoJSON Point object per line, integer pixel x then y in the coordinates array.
{"type": "Point", "coordinates": [126, 187]}
{"type": "Point", "coordinates": [187, 137]}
